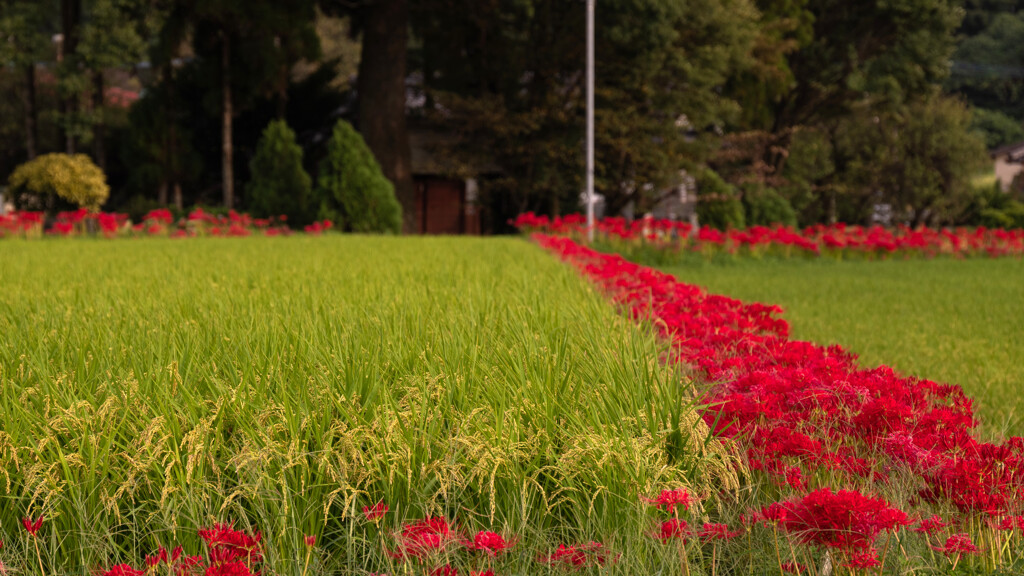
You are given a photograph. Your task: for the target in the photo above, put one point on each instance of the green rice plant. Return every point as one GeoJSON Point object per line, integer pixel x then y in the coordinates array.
{"type": "Point", "coordinates": [148, 388]}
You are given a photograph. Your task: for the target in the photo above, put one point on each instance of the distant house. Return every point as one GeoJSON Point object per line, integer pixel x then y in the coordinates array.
{"type": "Point", "coordinates": [1009, 162]}
{"type": "Point", "coordinates": [447, 192]}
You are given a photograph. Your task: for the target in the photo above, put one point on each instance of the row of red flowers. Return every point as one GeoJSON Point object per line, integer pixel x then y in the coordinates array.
{"type": "Point", "coordinates": [812, 241]}
{"type": "Point", "coordinates": [809, 418]}
{"type": "Point", "coordinates": [158, 222]}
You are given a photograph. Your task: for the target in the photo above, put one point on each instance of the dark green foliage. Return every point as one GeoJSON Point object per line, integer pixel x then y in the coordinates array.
{"type": "Point", "coordinates": [718, 205]}
{"type": "Point", "coordinates": [351, 190]}
{"type": "Point", "coordinates": [279, 184]}
{"type": "Point", "coordinates": [766, 207]}
{"type": "Point", "coordinates": [997, 128]}
{"type": "Point", "coordinates": [920, 159]}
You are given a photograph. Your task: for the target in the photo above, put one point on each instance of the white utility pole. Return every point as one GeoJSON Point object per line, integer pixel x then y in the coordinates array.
{"type": "Point", "coordinates": [590, 120]}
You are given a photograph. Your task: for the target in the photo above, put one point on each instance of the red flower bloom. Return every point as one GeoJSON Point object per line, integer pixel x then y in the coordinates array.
{"type": "Point", "coordinates": [32, 527]}
{"type": "Point", "coordinates": [957, 544]}
{"type": "Point", "coordinates": [718, 532]}
{"type": "Point", "coordinates": [673, 529]}
{"type": "Point", "coordinates": [445, 570]}
{"type": "Point", "coordinates": [930, 525]}
{"type": "Point", "coordinates": [669, 499]}
{"type": "Point", "coordinates": [235, 568]}
{"type": "Point", "coordinates": [490, 542]}
{"type": "Point", "coordinates": [228, 545]}
{"type": "Point", "coordinates": [424, 537]}
{"type": "Point", "coordinates": [311, 541]}
{"type": "Point", "coordinates": [123, 570]}
{"type": "Point", "coordinates": [864, 560]}
{"type": "Point", "coordinates": [794, 568]}
{"type": "Point", "coordinates": [376, 512]}
{"type": "Point", "coordinates": [577, 555]}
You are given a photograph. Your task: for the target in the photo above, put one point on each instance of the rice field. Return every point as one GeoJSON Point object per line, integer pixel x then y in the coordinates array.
{"type": "Point", "coordinates": [152, 387]}
{"type": "Point", "coordinates": [956, 321]}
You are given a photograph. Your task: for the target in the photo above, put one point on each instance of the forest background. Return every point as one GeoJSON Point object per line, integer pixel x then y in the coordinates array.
{"type": "Point", "coordinates": [795, 111]}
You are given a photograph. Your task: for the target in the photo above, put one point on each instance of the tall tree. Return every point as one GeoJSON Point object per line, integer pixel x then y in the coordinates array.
{"type": "Point", "coordinates": [848, 55]}
{"type": "Point", "coordinates": [510, 77]}
{"type": "Point", "coordinates": [24, 26]}
{"type": "Point", "coordinates": [239, 49]}
{"type": "Point", "coordinates": [112, 36]}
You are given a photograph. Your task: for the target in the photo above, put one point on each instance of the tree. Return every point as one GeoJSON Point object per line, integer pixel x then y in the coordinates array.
{"type": "Point", "coordinates": [73, 178]}
{"type": "Point", "coordinates": [351, 190]}
{"type": "Point", "coordinates": [112, 36]}
{"type": "Point", "coordinates": [920, 159]}
{"type": "Point", "coordinates": [510, 78]}
{"type": "Point", "coordinates": [241, 48]}
{"type": "Point", "coordinates": [847, 56]}
{"type": "Point", "coordinates": [23, 24]}
{"type": "Point", "coordinates": [381, 88]}
{"type": "Point", "coordinates": [279, 185]}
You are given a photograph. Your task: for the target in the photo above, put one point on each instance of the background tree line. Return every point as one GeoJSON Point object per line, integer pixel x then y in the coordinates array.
{"type": "Point", "coordinates": [781, 110]}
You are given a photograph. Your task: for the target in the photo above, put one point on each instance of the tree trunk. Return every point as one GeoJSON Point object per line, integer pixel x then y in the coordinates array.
{"type": "Point", "coordinates": [282, 79]}
{"type": "Point", "coordinates": [381, 86]}
{"type": "Point", "coordinates": [99, 131]}
{"type": "Point", "coordinates": [228, 168]}
{"type": "Point", "coordinates": [71, 13]}
{"type": "Point", "coordinates": [178, 203]}
{"type": "Point", "coordinates": [29, 100]}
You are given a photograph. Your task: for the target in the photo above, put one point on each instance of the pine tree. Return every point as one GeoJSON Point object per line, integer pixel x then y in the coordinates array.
{"type": "Point", "coordinates": [279, 184]}
{"type": "Point", "coordinates": [352, 190]}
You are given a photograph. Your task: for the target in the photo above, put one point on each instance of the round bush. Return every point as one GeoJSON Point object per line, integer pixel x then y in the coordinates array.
{"type": "Point", "coordinates": [73, 178]}
{"type": "Point", "coordinates": [717, 204]}
{"type": "Point", "coordinates": [766, 207]}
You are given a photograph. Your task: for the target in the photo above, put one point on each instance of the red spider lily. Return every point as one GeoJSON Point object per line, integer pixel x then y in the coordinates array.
{"type": "Point", "coordinates": [577, 555]}
{"type": "Point", "coordinates": [774, 513]}
{"type": "Point", "coordinates": [957, 544]}
{"type": "Point", "coordinates": [123, 570]}
{"type": "Point", "coordinates": [717, 532]}
{"type": "Point", "coordinates": [228, 545]}
{"type": "Point", "coordinates": [445, 570]}
{"type": "Point", "coordinates": [1010, 523]}
{"type": "Point", "coordinates": [669, 499]}
{"type": "Point", "coordinates": [864, 560]}
{"type": "Point", "coordinates": [797, 406]}
{"type": "Point", "coordinates": [234, 568]}
{"type": "Point", "coordinates": [423, 537]}
{"type": "Point", "coordinates": [32, 527]}
{"type": "Point", "coordinates": [481, 573]}
{"type": "Point", "coordinates": [490, 542]}
{"type": "Point", "coordinates": [310, 541]}
{"type": "Point", "coordinates": [845, 519]}
{"type": "Point", "coordinates": [930, 525]}
{"type": "Point", "coordinates": [794, 568]}
{"type": "Point", "coordinates": [188, 565]}
{"type": "Point", "coordinates": [673, 529]}
{"type": "Point", "coordinates": [376, 512]}
{"type": "Point", "coordinates": [155, 559]}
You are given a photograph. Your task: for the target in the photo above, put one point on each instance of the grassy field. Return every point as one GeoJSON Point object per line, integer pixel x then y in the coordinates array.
{"type": "Point", "coordinates": [151, 387]}
{"type": "Point", "coordinates": [951, 321]}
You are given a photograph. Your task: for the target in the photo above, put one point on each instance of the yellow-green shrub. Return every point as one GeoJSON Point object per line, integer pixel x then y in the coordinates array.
{"type": "Point", "coordinates": [72, 177]}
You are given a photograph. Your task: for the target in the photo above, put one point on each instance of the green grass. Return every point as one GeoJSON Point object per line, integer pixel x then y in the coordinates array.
{"type": "Point", "coordinates": [150, 387]}
{"type": "Point", "coordinates": [946, 320]}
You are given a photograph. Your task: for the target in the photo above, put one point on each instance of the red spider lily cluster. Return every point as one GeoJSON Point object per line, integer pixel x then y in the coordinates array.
{"type": "Point", "coordinates": [808, 416]}
{"type": "Point", "coordinates": [229, 552]}
{"type": "Point", "coordinates": [160, 223]}
{"type": "Point", "coordinates": [591, 554]}
{"type": "Point", "coordinates": [818, 240]}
